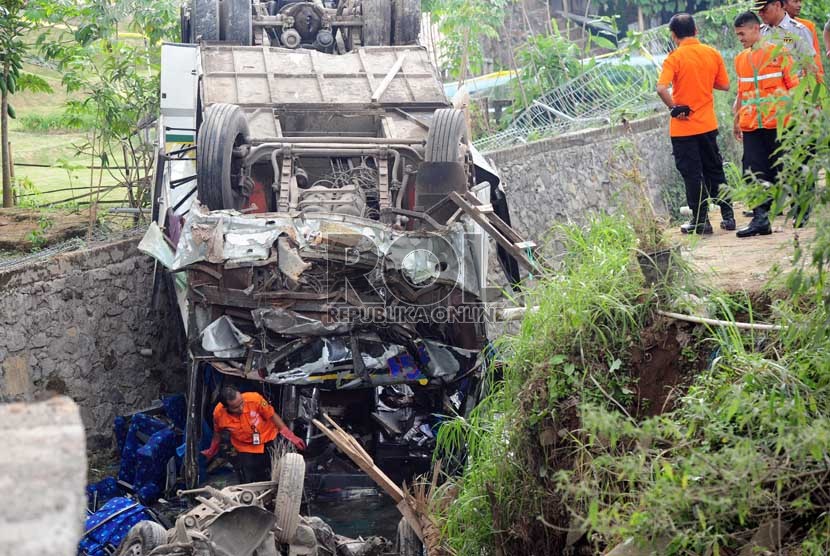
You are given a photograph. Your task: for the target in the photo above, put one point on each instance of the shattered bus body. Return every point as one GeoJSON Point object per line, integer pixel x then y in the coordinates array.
{"type": "Point", "coordinates": [313, 211]}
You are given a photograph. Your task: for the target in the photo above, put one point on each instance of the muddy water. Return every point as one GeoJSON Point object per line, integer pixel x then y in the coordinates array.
{"type": "Point", "coordinates": [366, 516]}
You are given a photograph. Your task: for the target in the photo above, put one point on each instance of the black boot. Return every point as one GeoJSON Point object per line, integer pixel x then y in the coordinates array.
{"type": "Point", "coordinates": [758, 226]}
{"type": "Point", "coordinates": [727, 224]}
{"type": "Point", "coordinates": [701, 228]}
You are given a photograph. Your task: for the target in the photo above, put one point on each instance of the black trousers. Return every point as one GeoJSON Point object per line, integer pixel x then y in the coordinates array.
{"type": "Point", "coordinates": [253, 468]}
{"type": "Point", "coordinates": [761, 158]}
{"type": "Point", "coordinates": [698, 159]}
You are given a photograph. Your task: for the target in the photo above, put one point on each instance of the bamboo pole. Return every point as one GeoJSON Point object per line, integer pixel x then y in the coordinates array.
{"type": "Point", "coordinates": [716, 322]}
{"type": "Point", "coordinates": [352, 448]}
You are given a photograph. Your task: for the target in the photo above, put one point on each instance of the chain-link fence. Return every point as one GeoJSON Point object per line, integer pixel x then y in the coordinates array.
{"type": "Point", "coordinates": [622, 86]}
{"type": "Point", "coordinates": [99, 236]}
{"type": "Point", "coordinates": [604, 92]}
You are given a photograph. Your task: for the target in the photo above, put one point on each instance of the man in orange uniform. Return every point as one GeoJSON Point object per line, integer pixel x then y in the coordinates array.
{"type": "Point", "coordinates": [253, 425]}
{"type": "Point", "coordinates": [765, 75]}
{"type": "Point", "coordinates": [793, 9]}
{"type": "Point", "coordinates": [693, 70]}
{"type": "Point", "coordinates": [827, 38]}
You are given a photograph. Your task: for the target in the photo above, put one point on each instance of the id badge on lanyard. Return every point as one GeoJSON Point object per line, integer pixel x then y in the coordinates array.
{"type": "Point", "coordinates": [256, 440]}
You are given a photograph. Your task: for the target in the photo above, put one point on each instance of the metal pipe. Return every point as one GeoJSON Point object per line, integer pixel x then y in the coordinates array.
{"type": "Point", "coordinates": [260, 151]}
{"type": "Point", "coordinates": [407, 179]}
{"type": "Point", "coordinates": [275, 164]}
{"type": "Point", "coordinates": [280, 20]}
{"type": "Point", "coordinates": [333, 150]}
{"type": "Point", "coordinates": [395, 166]}
{"type": "Point", "coordinates": [718, 322]}
{"type": "Point", "coordinates": [337, 151]}
{"type": "Point", "coordinates": [357, 140]}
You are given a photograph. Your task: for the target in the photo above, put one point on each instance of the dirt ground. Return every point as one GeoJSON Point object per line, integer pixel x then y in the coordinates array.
{"type": "Point", "coordinates": [23, 229]}
{"type": "Point", "coordinates": [735, 264]}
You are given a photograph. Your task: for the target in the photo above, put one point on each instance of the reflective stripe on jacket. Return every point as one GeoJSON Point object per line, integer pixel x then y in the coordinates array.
{"type": "Point", "coordinates": [763, 84]}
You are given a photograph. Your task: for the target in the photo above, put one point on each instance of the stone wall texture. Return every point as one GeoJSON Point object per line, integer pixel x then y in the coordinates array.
{"type": "Point", "coordinates": [81, 324]}
{"type": "Point", "coordinates": [564, 178]}
{"type": "Point", "coordinates": [42, 478]}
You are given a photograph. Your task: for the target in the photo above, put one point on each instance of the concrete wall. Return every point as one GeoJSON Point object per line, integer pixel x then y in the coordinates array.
{"type": "Point", "coordinates": [563, 178]}
{"type": "Point", "coordinates": [76, 324]}
{"type": "Point", "coordinates": [42, 478]}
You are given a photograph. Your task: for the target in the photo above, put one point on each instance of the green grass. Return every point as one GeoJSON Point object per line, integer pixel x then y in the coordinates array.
{"type": "Point", "coordinates": [553, 447]}
{"type": "Point", "coordinates": [587, 319]}
{"type": "Point", "coordinates": [51, 147]}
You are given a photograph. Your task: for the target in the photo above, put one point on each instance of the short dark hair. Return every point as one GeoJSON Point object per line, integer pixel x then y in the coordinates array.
{"type": "Point", "coordinates": [228, 393]}
{"type": "Point", "coordinates": [747, 18]}
{"type": "Point", "coordinates": [682, 25]}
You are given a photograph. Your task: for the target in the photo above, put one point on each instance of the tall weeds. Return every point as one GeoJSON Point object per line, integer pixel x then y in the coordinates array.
{"type": "Point", "coordinates": [555, 460]}
{"type": "Point", "coordinates": [587, 317]}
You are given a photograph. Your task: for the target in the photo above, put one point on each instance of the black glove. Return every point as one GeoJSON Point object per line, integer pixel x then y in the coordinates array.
{"type": "Point", "coordinates": [680, 110]}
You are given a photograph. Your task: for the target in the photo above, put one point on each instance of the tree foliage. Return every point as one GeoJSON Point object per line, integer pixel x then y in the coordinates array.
{"type": "Point", "coordinates": [463, 23]}
{"type": "Point", "coordinates": [544, 62]}
{"type": "Point", "coordinates": [15, 22]}
{"type": "Point", "coordinates": [117, 78]}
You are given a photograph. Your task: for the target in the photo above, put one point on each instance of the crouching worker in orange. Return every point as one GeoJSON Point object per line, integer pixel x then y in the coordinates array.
{"type": "Point", "coordinates": [765, 76]}
{"type": "Point", "coordinates": [253, 426]}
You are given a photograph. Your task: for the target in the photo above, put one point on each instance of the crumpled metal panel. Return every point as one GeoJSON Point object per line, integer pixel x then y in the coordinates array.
{"type": "Point", "coordinates": [289, 260]}
{"type": "Point", "coordinates": [154, 244]}
{"type": "Point", "coordinates": [444, 361]}
{"type": "Point", "coordinates": [226, 236]}
{"type": "Point", "coordinates": [289, 323]}
{"type": "Point", "coordinates": [224, 339]}
{"type": "Point", "coordinates": [334, 352]}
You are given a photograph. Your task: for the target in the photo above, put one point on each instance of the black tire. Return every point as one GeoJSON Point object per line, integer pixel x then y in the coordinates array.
{"type": "Point", "coordinates": [218, 173]}
{"type": "Point", "coordinates": [406, 18]}
{"type": "Point", "coordinates": [408, 542]}
{"type": "Point", "coordinates": [204, 20]}
{"type": "Point", "coordinates": [142, 538]}
{"type": "Point", "coordinates": [289, 496]}
{"type": "Point", "coordinates": [377, 22]}
{"type": "Point", "coordinates": [236, 22]}
{"type": "Point", "coordinates": [446, 136]}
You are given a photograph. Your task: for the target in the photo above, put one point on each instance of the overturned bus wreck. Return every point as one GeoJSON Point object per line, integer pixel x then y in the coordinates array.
{"type": "Point", "coordinates": [324, 222]}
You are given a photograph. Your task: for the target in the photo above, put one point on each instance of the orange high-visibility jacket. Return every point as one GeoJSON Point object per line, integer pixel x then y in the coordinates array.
{"type": "Point", "coordinates": [763, 82]}
{"type": "Point", "coordinates": [256, 416]}
{"type": "Point", "coordinates": [816, 46]}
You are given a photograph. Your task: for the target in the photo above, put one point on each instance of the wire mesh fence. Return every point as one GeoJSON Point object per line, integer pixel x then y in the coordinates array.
{"type": "Point", "coordinates": [592, 99]}
{"type": "Point", "coordinates": [99, 236]}
{"type": "Point", "coordinates": [613, 88]}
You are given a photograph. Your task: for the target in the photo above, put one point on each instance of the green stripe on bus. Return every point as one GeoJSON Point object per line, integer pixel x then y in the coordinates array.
{"type": "Point", "coordinates": [178, 138]}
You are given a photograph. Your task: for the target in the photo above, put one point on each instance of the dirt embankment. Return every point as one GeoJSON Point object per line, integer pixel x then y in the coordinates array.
{"type": "Point", "coordinates": [736, 264]}
{"type": "Point", "coordinates": [25, 229]}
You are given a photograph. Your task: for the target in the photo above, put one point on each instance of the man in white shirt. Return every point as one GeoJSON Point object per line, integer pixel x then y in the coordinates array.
{"type": "Point", "coordinates": [780, 28]}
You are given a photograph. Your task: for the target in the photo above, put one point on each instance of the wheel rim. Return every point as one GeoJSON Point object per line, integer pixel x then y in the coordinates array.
{"type": "Point", "coordinates": [135, 550]}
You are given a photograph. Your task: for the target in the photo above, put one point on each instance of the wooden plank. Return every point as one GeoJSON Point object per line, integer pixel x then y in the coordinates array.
{"type": "Point", "coordinates": [318, 77]}
{"type": "Point", "coordinates": [497, 222]}
{"type": "Point", "coordinates": [268, 76]}
{"type": "Point", "coordinates": [367, 466]}
{"type": "Point", "coordinates": [350, 438]}
{"type": "Point", "coordinates": [407, 84]}
{"type": "Point", "coordinates": [369, 75]}
{"type": "Point", "coordinates": [414, 119]}
{"type": "Point", "coordinates": [225, 296]}
{"type": "Point", "coordinates": [411, 517]}
{"type": "Point", "coordinates": [388, 79]}
{"type": "Point", "coordinates": [494, 232]}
